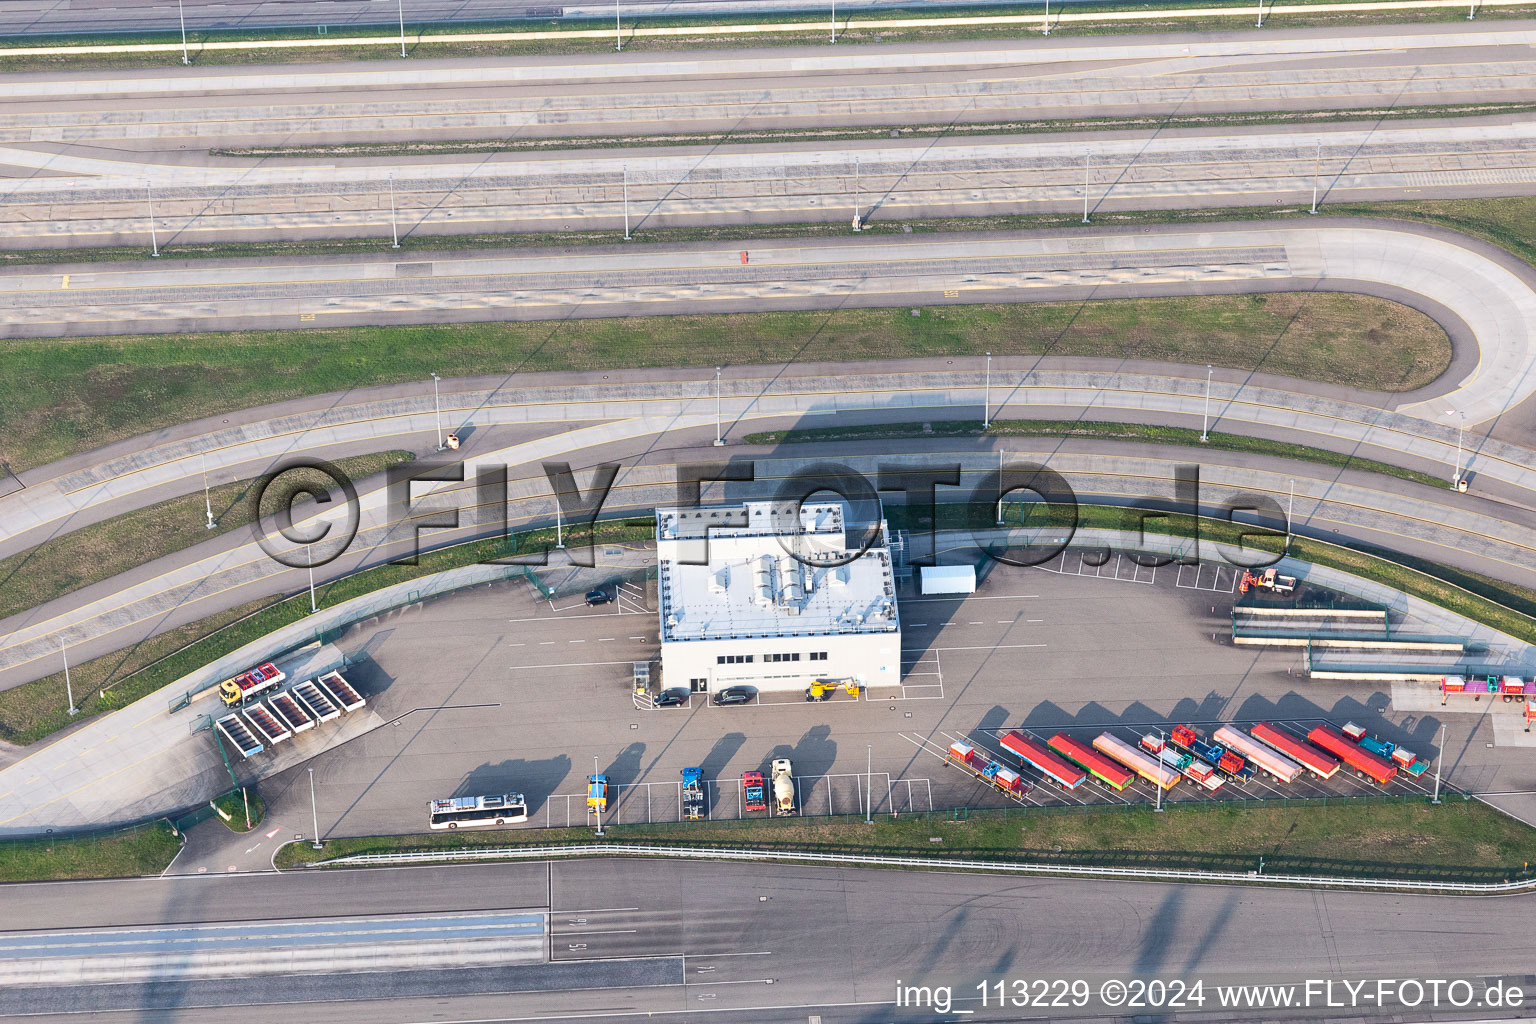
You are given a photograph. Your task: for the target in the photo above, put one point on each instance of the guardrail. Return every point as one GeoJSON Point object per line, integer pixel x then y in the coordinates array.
{"type": "Point", "coordinates": [940, 863]}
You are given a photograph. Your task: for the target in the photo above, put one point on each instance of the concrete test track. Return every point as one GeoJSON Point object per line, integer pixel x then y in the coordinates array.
{"type": "Point", "coordinates": [1492, 298]}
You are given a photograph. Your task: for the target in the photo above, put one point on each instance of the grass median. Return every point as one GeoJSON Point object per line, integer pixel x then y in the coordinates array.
{"type": "Point", "coordinates": [1092, 430]}
{"type": "Point", "coordinates": [1458, 840]}
{"type": "Point", "coordinates": [63, 396]}
{"type": "Point", "coordinates": [144, 850]}
{"type": "Point", "coordinates": [97, 552]}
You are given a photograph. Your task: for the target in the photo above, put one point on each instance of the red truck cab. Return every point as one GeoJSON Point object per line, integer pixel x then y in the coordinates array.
{"type": "Point", "coordinates": [754, 797]}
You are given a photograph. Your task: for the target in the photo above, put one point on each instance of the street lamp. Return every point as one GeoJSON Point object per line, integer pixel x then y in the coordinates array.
{"type": "Point", "coordinates": [999, 487]}
{"type": "Point", "coordinates": [309, 556]}
{"type": "Point", "coordinates": [869, 782]}
{"type": "Point", "coordinates": [1439, 760]}
{"type": "Point", "coordinates": [394, 226]}
{"type": "Point", "coordinates": [719, 438]}
{"type": "Point", "coordinates": [437, 408]}
{"type": "Point", "coordinates": [1317, 166]}
{"type": "Point", "coordinates": [1087, 161]}
{"type": "Point", "coordinates": [182, 14]}
{"type": "Point", "coordinates": [986, 401]}
{"type": "Point", "coordinates": [1162, 765]}
{"type": "Point", "coordinates": [69, 691]}
{"type": "Point", "coordinates": [1205, 420]}
{"type": "Point", "coordinates": [401, 6]}
{"type": "Point", "coordinates": [154, 239]}
{"type": "Point", "coordinates": [618, 44]}
{"type": "Point", "coordinates": [207, 501]}
{"type": "Point", "coordinates": [314, 812]}
{"type": "Point", "coordinates": [1460, 426]}
{"type": "Point", "coordinates": [626, 202]}
{"type": "Point", "coordinates": [1290, 513]}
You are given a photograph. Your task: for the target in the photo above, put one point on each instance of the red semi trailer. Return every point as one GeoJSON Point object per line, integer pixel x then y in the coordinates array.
{"type": "Point", "coordinates": [1352, 754]}
{"type": "Point", "coordinates": [1308, 756]}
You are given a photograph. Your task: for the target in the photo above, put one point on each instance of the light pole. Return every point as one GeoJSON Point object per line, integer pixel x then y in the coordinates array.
{"type": "Point", "coordinates": [1205, 420]}
{"type": "Point", "coordinates": [834, 21]}
{"type": "Point", "coordinates": [1317, 166]}
{"type": "Point", "coordinates": [618, 44]}
{"type": "Point", "coordinates": [1439, 760]}
{"type": "Point", "coordinates": [394, 227]}
{"type": "Point", "coordinates": [69, 691]}
{"type": "Point", "coordinates": [154, 239]}
{"type": "Point", "coordinates": [1047, 29]}
{"type": "Point", "coordinates": [869, 782]}
{"type": "Point", "coordinates": [719, 439]}
{"type": "Point", "coordinates": [1087, 161]}
{"type": "Point", "coordinates": [314, 812]}
{"type": "Point", "coordinates": [1460, 426]}
{"type": "Point", "coordinates": [559, 532]}
{"type": "Point", "coordinates": [999, 487]}
{"type": "Point", "coordinates": [437, 410]}
{"type": "Point", "coordinates": [1163, 766]}
{"type": "Point", "coordinates": [857, 226]}
{"type": "Point", "coordinates": [1290, 512]}
{"type": "Point", "coordinates": [605, 794]}
{"type": "Point", "coordinates": [1261, 15]}
{"type": "Point", "coordinates": [986, 397]}
{"type": "Point", "coordinates": [626, 202]}
{"type": "Point", "coordinates": [207, 501]}
{"type": "Point", "coordinates": [182, 14]}
{"type": "Point", "coordinates": [309, 556]}
{"type": "Point", "coordinates": [401, 6]}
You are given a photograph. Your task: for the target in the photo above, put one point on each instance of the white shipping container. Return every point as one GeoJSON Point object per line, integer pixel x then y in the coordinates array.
{"type": "Point", "coordinates": [948, 579]}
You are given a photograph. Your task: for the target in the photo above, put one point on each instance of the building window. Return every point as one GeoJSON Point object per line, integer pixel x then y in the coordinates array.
{"type": "Point", "coordinates": [733, 659]}
{"type": "Point", "coordinates": [795, 656]}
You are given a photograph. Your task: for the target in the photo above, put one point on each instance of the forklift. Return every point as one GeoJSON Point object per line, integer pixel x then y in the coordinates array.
{"type": "Point", "coordinates": [823, 689]}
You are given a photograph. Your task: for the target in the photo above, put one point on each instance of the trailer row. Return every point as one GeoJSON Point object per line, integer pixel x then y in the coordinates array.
{"type": "Point", "coordinates": [264, 723]}
{"type": "Point", "coordinates": [1230, 755]}
{"type": "Point", "coordinates": [1511, 688]}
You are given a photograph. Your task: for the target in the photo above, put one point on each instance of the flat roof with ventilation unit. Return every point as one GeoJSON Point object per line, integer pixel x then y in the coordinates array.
{"type": "Point", "coordinates": [767, 574]}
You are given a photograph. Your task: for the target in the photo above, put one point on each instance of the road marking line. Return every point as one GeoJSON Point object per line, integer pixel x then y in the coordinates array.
{"type": "Point", "coordinates": [64, 285]}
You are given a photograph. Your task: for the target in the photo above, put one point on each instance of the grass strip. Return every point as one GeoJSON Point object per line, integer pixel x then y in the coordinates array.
{"type": "Point", "coordinates": [63, 396]}
{"type": "Point", "coordinates": [31, 711]}
{"type": "Point", "coordinates": [1094, 429]}
{"type": "Point", "coordinates": [97, 552]}
{"type": "Point", "coordinates": [1159, 122]}
{"type": "Point", "coordinates": [1403, 838]}
{"type": "Point", "coordinates": [237, 803]}
{"type": "Point", "coordinates": [142, 850]}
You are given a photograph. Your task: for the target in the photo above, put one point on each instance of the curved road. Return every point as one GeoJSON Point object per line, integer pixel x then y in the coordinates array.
{"type": "Point", "coordinates": [1492, 298]}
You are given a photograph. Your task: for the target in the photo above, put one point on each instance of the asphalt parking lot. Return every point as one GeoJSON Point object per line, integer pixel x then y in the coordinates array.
{"type": "Point", "coordinates": [498, 689]}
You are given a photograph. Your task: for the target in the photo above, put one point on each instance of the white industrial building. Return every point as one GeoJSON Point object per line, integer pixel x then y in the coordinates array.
{"type": "Point", "coordinates": [756, 614]}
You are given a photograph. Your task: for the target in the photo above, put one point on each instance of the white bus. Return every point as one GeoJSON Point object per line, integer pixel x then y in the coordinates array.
{"type": "Point", "coordinates": [469, 811]}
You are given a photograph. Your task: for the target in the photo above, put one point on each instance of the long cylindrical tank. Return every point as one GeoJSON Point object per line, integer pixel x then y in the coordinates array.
{"type": "Point", "coordinates": [1277, 764]}
{"type": "Point", "coordinates": [1152, 770]}
{"type": "Point", "coordinates": [1314, 760]}
{"type": "Point", "coordinates": [1348, 751]}
{"type": "Point", "coordinates": [783, 787]}
{"type": "Point", "coordinates": [1037, 756]}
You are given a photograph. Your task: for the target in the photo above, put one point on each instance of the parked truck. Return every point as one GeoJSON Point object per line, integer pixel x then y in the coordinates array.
{"type": "Point", "coordinates": [1228, 764]}
{"type": "Point", "coordinates": [693, 794]}
{"type": "Point", "coordinates": [597, 794]}
{"type": "Point", "coordinates": [249, 683]}
{"type": "Point", "coordinates": [1365, 763]}
{"type": "Point", "coordinates": [753, 793]}
{"type": "Point", "coordinates": [1266, 758]}
{"type": "Point", "coordinates": [1316, 761]}
{"type": "Point", "coordinates": [976, 763]}
{"type": "Point", "coordinates": [783, 787]}
{"type": "Point", "coordinates": [1035, 754]}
